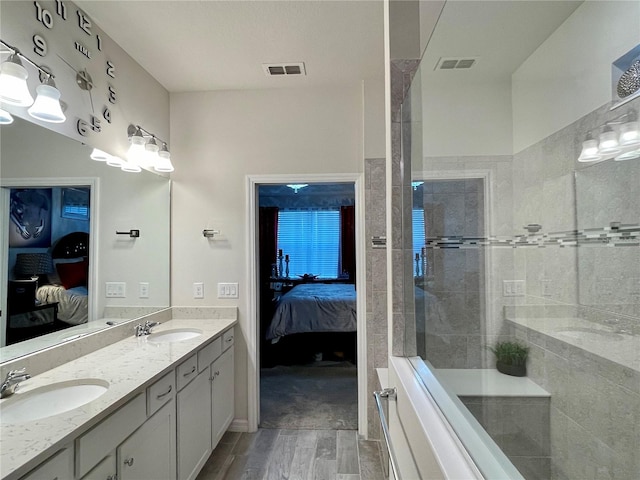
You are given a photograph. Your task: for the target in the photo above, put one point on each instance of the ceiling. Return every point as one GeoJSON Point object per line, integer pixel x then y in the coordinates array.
{"type": "Point", "coordinates": [219, 45]}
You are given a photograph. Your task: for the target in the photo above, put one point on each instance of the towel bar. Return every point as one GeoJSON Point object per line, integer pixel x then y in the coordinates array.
{"type": "Point", "coordinates": [388, 393]}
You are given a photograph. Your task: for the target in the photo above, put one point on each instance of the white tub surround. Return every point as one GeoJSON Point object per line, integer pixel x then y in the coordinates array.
{"type": "Point", "coordinates": [129, 366]}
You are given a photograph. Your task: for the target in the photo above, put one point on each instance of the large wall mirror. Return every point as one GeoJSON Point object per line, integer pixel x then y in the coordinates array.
{"type": "Point", "coordinates": [65, 270]}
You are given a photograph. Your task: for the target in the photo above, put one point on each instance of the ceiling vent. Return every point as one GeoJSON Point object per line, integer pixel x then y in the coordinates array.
{"type": "Point", "coordinates": [283, 69]}
{"type": "Point", "coordinates": [456, 63]}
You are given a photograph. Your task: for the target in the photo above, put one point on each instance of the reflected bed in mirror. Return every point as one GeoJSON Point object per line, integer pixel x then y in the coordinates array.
{"type": "Point", "coordinates": [95, 200]}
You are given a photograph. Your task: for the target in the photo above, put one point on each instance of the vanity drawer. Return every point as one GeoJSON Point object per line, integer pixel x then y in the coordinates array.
{"type": "Point", "coordinates": [227, 339]}
{"type": "Point", "coordinates": [161, 392]}
{"type": "Point", "coordinates": [187, 371]}
{"type": "Point", "coordinates": [208, 354]}
{"type": "Point", "coordinates": [58, 467]}
{"type": "Point", "coordinates": [102, 439]}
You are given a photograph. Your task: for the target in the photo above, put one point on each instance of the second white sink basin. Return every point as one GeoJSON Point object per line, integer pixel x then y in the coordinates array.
{"type": "Point", "coordinates": [50, 400]}
{"type": "Point", "coordinates": [175, 335]}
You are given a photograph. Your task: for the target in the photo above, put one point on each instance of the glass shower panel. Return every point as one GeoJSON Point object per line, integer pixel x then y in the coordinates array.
{"type": "Point", "coordinates": [514, 240]}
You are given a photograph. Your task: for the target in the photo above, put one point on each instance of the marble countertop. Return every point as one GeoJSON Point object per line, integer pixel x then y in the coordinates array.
{"type": "Point", "coordinates": [610, 342]}
{"type": "Point", "coordinates": [129, 366]}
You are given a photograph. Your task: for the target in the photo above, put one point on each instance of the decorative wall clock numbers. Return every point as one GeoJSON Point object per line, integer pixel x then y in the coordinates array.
{"type": "Point", "coordinates": [89, 45]}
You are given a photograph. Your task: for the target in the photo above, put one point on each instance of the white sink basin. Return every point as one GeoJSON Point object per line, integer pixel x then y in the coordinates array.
{"type": "Point", "coordinates": [588, 334]}
{"type": "Point", "coordinates": [50, 400]}
{"type": "Point", "coordinates": [175, 335]}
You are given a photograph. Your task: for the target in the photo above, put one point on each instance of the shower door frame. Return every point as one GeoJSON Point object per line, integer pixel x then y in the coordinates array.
{"type": "Point", "coordinates": [486, 176]}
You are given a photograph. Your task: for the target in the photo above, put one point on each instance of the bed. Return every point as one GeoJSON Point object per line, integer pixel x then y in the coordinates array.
{"type": "Point", "coordinates": [313, 308]}
{"type": "Point", "coordinates": [68, 283]}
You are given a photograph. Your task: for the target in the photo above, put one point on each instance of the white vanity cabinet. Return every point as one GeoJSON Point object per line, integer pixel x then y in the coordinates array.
{"type": "Point", "coordinates": [150, 453]}
{"type": "Point", "coordinates": [165, 431]}
{"type": "Point", "coordinates": [194, 426]}
{"type": "Point", "coordinates": [222, 385]}
{"type": "Point", "coordinates": [58, 467]}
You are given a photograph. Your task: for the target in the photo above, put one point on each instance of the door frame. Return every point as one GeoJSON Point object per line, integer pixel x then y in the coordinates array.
{"type": "Point", "coordinates": [253, 290]}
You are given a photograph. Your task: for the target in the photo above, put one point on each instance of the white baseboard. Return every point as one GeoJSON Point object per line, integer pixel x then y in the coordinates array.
{"type": "Point", "coordinates": [239, 425]}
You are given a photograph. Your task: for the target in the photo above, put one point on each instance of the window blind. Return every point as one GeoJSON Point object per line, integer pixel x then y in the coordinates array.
{"type": "Point", "coordinates": [418, 232]}
{"type": "Point", "coordinates": [311, 238]}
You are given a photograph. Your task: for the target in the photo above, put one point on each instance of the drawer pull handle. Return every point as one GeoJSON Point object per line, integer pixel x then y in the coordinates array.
{"type": "Point", "coordinates": [230, 339]}
{"type": "Point", "coordinates": [189, 373]}
{"type": "Point", "coordinates": [158, 397]}
{"type": "Point", "coordinates": [128, 461]}
{"type": "Point", "coordinates": [215, 374]}
{"type": "Point", "coordinates": [112, 477]}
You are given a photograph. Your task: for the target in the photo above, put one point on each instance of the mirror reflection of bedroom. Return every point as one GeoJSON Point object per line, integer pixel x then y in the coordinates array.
{"type": "Point", "coordinates": [48, 261]}
{"type": "Point", "coordinates": [307, 310]}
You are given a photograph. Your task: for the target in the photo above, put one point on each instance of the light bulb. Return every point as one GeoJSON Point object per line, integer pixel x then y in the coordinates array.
{"type": "Point", "coordinates": [13, 82]}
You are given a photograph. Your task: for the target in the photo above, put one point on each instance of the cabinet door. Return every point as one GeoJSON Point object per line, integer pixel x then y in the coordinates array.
{"type": "Point", "coordinates": [194, 426]}
{"type": "Point", "coordinates": [58, 467]}
{"type": "Point", "coordinates": [150, 452]}
{"type": "Point", "coordinates": [222, 395]}
{"type": "Point", "coordinates": [105, 470]}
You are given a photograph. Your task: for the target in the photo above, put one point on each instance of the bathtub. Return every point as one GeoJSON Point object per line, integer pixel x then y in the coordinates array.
{"type": "Point", "coordinates": [433, 439]}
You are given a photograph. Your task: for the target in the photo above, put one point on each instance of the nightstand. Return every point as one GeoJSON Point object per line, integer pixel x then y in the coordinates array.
{"type": "Point", "coordinates": [36, 321]}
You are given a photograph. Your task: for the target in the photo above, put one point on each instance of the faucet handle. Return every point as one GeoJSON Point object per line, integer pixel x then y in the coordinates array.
{"type": "Point", "coordinates": [16, 373]}
{"type": "Point", "coordinates": [138, 329]}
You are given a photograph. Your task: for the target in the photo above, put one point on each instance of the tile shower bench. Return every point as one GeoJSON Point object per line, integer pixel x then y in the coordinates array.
{"type": "Point", "coordinates": [515, 412]}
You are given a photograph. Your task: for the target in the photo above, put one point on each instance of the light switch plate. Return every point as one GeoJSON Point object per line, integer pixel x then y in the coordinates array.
{"type": "Point", "coordinates": [143, 290]}
{"type": "Point", "coordinates": [227, 290]}
{"type": "Point", "coordinates": [116, 290]}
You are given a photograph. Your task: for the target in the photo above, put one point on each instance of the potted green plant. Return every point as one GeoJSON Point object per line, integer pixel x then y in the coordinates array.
{"type": "Point", "coordinates": [511, 358]}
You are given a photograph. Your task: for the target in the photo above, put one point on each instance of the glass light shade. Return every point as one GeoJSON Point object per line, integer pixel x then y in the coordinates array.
{"type": "Point", "coordinates": [629, 155]}
{"type": "Point", "coordinates": [13, 83]}
{"type": "Point", "coordinates": [589, 151]}
{"type": "Point", "coordinates": [5, 117]}
{"type": "Point", "coordinates": [130, 167]}
{"type": "Point", "coordinates": [47, 105]}
{"type": "Point", "coordinates": [630, 134]}
{"type": "Point", "coordinates": [113, 161]}
{"type": "Point", "coordinates": [164, 160]}
{"type": "Point", "coordinates": [136, 153]}
{"type": "Point", "coordinates": [608, 142]}
{"type": "Point", "coordinates": [99, 156]}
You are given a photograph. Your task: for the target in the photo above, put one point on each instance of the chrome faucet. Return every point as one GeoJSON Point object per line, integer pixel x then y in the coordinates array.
{"type": "Point", "coordinates": [145, 329]}
{"type": "Point", "coordinates": [12, 382]}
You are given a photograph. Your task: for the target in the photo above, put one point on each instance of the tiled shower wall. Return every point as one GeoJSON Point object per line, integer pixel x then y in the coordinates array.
{"type": "Point", "coordinates": [375, 225]}
{"type": "Point", "coordinates": [595, 403]}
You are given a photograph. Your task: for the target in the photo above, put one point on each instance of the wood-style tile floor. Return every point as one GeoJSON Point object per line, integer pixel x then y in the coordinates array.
{"type": "Point", "coordinates": [278, 454]}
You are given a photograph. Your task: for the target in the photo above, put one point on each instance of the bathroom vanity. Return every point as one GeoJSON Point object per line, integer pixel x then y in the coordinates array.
{"type": "Point", "coordinates": [149, 407]}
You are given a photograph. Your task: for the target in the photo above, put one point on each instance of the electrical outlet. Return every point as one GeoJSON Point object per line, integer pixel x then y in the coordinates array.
{"type": "Point", "coordinates": [143, 290]}
{"type": "Point", "coordinates": [227, 290]}
{"type": "Point", "coordinates": [198, 290]}
{"type": "Point", "coordinates": [116, 290]}
{"type": "Point", "coordinates": [513, 288]}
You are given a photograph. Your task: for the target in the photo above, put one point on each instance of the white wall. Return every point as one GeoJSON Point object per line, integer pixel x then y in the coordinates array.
{"type": "Point", "coordinates": [218, 138]}
{"type": "Point", "coordinates": [569, 75]}
{"type": "Point", "coordinates": [464, 117]}
{"type": "Point", "coordinates": [373, 118]}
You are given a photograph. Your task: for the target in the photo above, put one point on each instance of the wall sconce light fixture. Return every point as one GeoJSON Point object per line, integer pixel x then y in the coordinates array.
{"type": "Point", "coordinates": [622, 143]}
{"type": "Point", "coordinates": [145, 151]}
{"type": "Point", "coordinates": [5, 117]}
{"type": "Point", "coordinates": [15, 91]}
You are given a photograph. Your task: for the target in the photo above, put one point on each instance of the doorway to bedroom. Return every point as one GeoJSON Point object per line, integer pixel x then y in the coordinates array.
{"type": "Point", "coordinates": [307, 315]}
